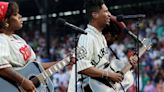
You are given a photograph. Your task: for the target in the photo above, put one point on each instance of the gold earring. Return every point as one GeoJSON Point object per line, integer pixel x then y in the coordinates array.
{"type": "Point", "coordinates": [6, 25]}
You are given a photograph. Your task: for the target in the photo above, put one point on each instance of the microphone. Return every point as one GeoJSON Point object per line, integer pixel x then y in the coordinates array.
{"type": "Point", "coordinates": [123, 27]}
{"type": "Point", "coordinates": [62, 22]}
{"type": "Point", "coordinates": [126, 17]}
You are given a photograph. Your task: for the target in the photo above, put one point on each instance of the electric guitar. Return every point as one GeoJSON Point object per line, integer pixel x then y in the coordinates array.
{"type": "Point", "coordinates": [35, 72]}
{"type": "Point", "coordinates": [106, 85]}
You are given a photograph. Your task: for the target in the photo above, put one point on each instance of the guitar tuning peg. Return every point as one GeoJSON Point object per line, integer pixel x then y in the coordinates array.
{"type": "Point", "coordinates": [147, 43]}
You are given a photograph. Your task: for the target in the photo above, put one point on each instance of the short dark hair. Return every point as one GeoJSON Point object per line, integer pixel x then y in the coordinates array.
{"type": "Point", "coordinates": [92, 6]}
{"type": "Point", "coordinates": [12, 8]}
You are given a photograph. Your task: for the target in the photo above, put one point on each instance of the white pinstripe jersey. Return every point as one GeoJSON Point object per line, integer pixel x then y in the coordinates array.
{"type": "Point", "coordinates": [14, 51]}
{"type": "Point", "coordinates": [94, 53]}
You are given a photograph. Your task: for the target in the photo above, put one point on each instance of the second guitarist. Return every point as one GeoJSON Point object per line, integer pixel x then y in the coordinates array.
{"type": "Point", "coordinates": [95, 51]}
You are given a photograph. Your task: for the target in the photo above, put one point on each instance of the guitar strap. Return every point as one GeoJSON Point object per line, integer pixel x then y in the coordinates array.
{"type": "Point", "coordinates": [113, 52]}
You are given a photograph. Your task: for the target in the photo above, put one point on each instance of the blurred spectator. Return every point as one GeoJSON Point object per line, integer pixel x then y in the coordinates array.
{"type": "Point", "coordinates": [160, 86]}
{"type": "Point", "coordinates": [159, 75]}
{"type": "Point", "coordinates": [149, 87]}
{"type": "Point", "coordinates": [146, 78]}
{"type": "Point", "coordinates": [152, 62]}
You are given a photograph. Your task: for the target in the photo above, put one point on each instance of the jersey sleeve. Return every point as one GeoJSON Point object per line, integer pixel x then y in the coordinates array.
{"type": "Point", "coordinates": [85, 52]}
{"type": "Point", "coordinates": [4, 54]}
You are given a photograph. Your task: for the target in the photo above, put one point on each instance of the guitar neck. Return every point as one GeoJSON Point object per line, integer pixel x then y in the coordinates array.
{"type": "Point", "coordinates": [128, 66]}
{"type": "Point", "coordinates": [50, 71]}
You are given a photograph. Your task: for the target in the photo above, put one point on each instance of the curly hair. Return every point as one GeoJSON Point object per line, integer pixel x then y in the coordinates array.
{"type": "Point", "coordinates": [112, 28]}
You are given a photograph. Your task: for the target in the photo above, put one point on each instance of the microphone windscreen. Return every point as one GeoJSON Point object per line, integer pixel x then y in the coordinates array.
{"type": "Point", "coordinates": [119, 18]}
{"type": "Point", "coordinates": [60, 22]}
{"type": "Point", "coordinates": [121, 25]}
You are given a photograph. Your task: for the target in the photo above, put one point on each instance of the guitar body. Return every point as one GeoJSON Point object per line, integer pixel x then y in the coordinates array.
{"type": "Point", "coordinates": [117, 65]}
{"type": "Point", "coordinates": [29, 71]}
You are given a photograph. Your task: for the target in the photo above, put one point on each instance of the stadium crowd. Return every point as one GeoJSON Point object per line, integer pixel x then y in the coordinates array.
{"type": "Point", "coordinates": [151, 67]}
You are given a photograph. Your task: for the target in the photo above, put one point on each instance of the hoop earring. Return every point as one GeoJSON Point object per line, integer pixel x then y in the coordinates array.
{"type": "Point", "coordinates": [6, 25]}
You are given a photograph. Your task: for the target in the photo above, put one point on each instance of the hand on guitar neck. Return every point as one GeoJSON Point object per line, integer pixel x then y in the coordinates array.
{"type": "Point", "coordinates": [133, 59]}
{"type": "Point", "coordinates": [146, 45]}
{"type": "Point", "coordinates": [72, 59]}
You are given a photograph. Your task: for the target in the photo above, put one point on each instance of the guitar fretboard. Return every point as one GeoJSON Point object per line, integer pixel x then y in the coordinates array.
{"type": "Point", "coordinates": [50, 71]}
{"type": "Point", "coordinates": [129, 66]}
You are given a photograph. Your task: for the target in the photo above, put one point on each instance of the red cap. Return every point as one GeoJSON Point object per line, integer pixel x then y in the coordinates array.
{"type": "Point", "coordinates": [3, 10]}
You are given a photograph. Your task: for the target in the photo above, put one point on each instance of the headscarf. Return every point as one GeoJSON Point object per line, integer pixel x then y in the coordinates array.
{"type": "Point", "coordinates": [3, 10]}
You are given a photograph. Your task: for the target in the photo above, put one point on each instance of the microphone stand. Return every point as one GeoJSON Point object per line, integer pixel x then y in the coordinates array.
{"type": "Point", "coordinates": [137, 44]}
{"type": "Point", "coordinates": [76, 42]}
{"type": "Point", "coordinates": [137, 49]}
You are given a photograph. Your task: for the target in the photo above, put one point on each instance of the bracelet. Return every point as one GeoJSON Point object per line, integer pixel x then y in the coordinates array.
{"type": "Point", "coordinates": [22, 81]}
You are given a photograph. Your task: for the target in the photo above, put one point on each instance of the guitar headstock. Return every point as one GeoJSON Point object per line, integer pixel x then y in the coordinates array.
{"type": "Point", "coordinates": [147, 43]}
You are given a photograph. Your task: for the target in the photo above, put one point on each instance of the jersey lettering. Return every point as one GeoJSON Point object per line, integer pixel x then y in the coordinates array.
{"type": "Point", "coordinates": [102, 52]}
{"type": "Point", "coordinates": [25, 51]}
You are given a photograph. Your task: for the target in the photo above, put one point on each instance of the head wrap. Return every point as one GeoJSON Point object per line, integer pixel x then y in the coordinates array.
{"type": "Point", "coordinates": [3, 10]}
